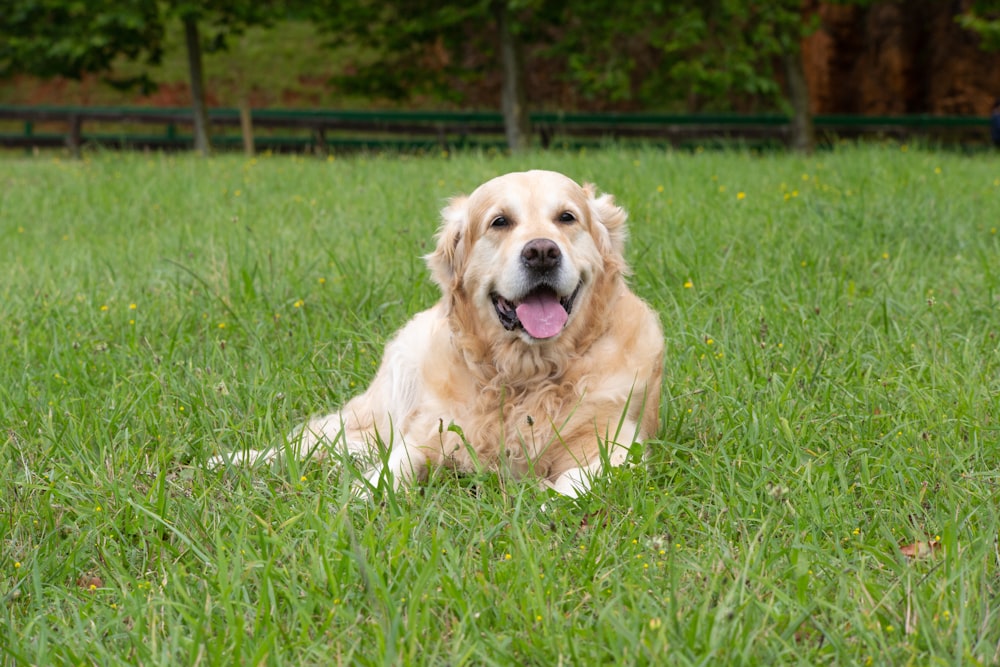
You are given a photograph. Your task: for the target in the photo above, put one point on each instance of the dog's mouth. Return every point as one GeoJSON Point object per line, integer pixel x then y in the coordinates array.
{"type": "Point", "coordinates": [542, 313]}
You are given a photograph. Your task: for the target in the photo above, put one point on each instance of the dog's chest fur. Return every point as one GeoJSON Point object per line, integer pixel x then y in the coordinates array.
{"type": "Point", "coordinates": [515, 412]}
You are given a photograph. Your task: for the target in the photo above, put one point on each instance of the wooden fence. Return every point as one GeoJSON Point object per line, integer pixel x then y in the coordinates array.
{"type": "Point", "coordinates": [294, 130]}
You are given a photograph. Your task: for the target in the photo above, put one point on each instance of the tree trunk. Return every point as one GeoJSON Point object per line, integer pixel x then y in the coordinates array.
{"type": "Point", "coordinates": [513, 98]}
{"type": "Point", "coordinates": [803, 136]}
{"type": "Point", "coordinates": [201, 142]}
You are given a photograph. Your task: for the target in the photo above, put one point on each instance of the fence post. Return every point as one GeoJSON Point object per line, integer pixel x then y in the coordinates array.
{"type": "Point", "coordinates": [73, 138]}
{"type": "Point", "coordinates": [319, 139]}
{"type": "Point", "coordinates": [246, 126]}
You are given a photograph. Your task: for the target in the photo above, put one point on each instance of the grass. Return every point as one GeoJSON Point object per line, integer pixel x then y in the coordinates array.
{"type": "Point", "coordinates": [831, 393]}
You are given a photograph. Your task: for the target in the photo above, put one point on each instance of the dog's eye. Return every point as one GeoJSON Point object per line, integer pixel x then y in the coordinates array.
{"type": "Point", "coordinates": [567, 217]}
{"type": "Point", "coordinates": [499, 221]}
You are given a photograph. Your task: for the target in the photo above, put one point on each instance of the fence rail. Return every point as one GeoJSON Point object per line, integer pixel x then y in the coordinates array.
{"type": "Point", "coordinates": [46, 126]}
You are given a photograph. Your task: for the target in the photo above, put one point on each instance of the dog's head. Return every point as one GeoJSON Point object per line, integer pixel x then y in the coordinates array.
{"type": "Point", "coordinates": [526, 253]}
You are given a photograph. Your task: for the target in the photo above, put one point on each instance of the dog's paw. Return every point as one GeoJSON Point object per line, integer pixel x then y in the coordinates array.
{"type": "Point", "coordinates": [247, 458]}
{"type": "Point", "coordinates": [364, 488]}
{"type": "Point", "coordinates": [573, 483]}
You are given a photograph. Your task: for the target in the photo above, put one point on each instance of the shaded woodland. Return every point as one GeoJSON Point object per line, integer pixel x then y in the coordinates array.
{"type": "Point", "coordinates": [790, 56]}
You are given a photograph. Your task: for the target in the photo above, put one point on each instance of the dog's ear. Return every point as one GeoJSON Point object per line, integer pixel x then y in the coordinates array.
{"type": "Point", "coordinates": [446, 260]}
{"type": "Point", "coordinates": [609, 222]}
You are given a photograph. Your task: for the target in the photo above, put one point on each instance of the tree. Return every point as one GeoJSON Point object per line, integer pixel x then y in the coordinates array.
{"type": "Point", "coordinates": [779, 31]}
{"type": "Point", "coordinates": [513, 98]}
{"type": "Point", "coordinates": [220, 20]}
{"type": "Point", "coordinates": [47, 38]}
{"type": "Point", "coordinates": [414, 48]}
{"type": "Point", "coordinates": [196, 77]}
{"type": "Point", "coordinates": [983, 18]}
{"type": "Point", "coordinates": [711, 55]}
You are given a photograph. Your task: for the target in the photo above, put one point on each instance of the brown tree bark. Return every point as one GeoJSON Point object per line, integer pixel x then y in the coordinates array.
{"type": "Point", "coordinates": [513, 98]}
{"type": "Point", "coordinates": [197, 76]}
{"type": "Point", "coordinates": [803, 137]}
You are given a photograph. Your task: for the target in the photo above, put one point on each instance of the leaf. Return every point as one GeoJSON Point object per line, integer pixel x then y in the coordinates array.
{"type": "Point", "coordinates": [920, 549]}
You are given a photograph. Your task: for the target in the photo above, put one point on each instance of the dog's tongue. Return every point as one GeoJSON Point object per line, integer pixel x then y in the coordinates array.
{"type": "Point", "coordinates": [542, 315]}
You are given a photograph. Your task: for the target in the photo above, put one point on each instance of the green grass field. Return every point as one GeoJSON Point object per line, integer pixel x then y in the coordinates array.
{"type": "Point", "coordinates": [831, 393]}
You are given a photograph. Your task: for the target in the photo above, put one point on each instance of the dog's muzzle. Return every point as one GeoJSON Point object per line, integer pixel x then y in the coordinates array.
{"type": "Point", "coordinates": [542, 313]}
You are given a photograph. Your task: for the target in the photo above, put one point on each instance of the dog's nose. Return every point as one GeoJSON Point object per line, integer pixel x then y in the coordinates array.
{"type": "Point", "coordinates": [541, 254]}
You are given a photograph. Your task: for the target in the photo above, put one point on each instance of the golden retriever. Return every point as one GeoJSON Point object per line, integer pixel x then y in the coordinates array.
{"type": "Point", "coordinates": [537, 360]}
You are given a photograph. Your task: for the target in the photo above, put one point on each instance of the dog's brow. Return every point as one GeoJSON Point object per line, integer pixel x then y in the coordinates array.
{"type": "Point", "coordinates": [493, 213]}
{"type": "Point", "coordinates": [568, 206]}
{"type": "Point", "coordinates": [509, 207]}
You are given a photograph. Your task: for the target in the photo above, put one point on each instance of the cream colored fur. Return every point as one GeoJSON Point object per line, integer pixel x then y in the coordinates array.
{"type": "Point", "coordinates": [555, 408]}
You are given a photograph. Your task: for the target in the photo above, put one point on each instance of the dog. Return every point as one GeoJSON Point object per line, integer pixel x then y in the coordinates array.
{"type": "Point", "coordinates": [538, 360]}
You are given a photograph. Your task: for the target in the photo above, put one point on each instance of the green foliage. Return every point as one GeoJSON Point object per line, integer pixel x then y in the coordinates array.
{"type": "Point", "coordinates": [259, 61]}
{"type": "Point", "coordinates": [651, 53]}
{"type": "Point", "coordinates": [222, 20]}
{"type": "Point", "coordinates": [832, 367]}
{"type": "Point", "coordinates": [983, 18]}
{"type": "Point", "coordinates": [410, 48]}
{"type": "Point", "coordinates": [654, 54]}
{"type": "Point", "coordinates": [709, 56]}
{"type": "Point", "coordinates": [48, 38]}
{"type": "Point", "coordinates": [69, 38]}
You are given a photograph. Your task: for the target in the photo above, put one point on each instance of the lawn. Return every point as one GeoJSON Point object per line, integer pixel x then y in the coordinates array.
{"type": "Point", "coordinates": [831, 401]}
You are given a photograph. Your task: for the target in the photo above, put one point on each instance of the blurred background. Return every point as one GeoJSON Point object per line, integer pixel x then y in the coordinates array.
{"type": "Point", "coordinates": [796, 58]}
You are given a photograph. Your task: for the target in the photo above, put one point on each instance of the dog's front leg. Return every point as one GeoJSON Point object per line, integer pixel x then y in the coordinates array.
{"type": "Point", "coordinates": [314, 439]}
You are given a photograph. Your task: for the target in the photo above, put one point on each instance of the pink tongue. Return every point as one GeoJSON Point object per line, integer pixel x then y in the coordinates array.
{"type": "Point", "coordinates": [542, 315]}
